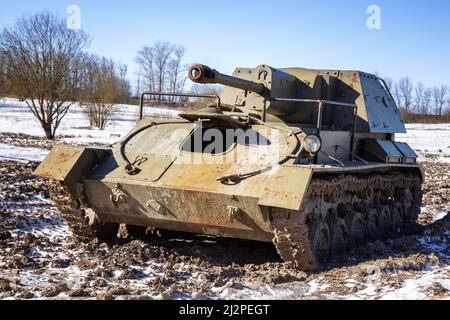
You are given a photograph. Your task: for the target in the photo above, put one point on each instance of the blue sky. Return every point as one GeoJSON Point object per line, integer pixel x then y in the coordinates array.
{"type": "Point", "coordinates": [413, 40]}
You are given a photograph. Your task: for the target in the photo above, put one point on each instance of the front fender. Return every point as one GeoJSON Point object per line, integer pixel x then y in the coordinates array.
{"type": "Point", "coordinates": [69, 164]}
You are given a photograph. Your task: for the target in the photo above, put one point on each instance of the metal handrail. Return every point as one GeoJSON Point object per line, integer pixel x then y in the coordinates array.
{"type": "Point", "coordinates": [386, 87]}
{"type": "Point", "coordinates": [321, 103]}
{"type": "Point", "coordinates": [187, 95]}
{"type": "Point", "coordinates": [337, 103]}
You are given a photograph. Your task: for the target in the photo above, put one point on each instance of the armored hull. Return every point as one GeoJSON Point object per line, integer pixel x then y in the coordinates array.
{"type": "Point", "coordinates": [246, 175]}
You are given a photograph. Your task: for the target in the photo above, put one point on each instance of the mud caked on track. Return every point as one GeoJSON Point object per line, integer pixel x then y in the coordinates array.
{"type": "Point", "coordinates": [40, 257]}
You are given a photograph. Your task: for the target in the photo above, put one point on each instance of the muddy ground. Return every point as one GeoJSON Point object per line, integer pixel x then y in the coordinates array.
{"type": "Point", "coordinates": [39, 257]}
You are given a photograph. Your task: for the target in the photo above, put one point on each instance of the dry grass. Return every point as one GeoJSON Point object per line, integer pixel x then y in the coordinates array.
{"type": "Point", "coordinates": [410, 117]}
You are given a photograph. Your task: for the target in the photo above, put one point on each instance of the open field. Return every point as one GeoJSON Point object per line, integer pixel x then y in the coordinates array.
{"type": "Point", "coordinates": [39, 257]}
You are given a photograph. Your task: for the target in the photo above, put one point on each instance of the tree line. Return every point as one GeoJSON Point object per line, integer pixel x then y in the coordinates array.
{"type": "Point", "coordinates": [419, 100]}
{"type": "Point", "coordinates": [47, 65]}
{"type": "Point", "coordinates": [161, 69]}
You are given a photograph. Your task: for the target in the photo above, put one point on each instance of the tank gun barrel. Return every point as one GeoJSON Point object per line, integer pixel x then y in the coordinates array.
{"type": "Point", "coordinates": [199, 73]}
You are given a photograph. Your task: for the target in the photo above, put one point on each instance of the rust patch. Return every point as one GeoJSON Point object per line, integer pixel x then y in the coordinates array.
{"type": "Point", "coordinates": [59, 162]}
{"type": "Point", "coordinates": [64, 157]}
{"type": "Point", "coordinates": [46, 175]}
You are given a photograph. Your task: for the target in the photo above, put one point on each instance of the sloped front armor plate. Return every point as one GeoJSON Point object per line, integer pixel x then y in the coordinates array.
{"type": "Point", "coordinates": [286, 187]}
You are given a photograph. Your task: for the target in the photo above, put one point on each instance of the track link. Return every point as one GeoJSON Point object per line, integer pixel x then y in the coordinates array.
{"type": "Point", "coordinates": [341, 212]}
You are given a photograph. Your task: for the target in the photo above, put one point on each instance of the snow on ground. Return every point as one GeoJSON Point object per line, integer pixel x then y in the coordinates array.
{"type": "Point", "coordinates": [41, 259]}
{"type": "Point", "coordinates": [412, 289]}
{"type": "Point", "coordinates": [15, 117]}
{"type": "Point", "coordinates": [432, 139]}
{"type": "Point", "coordinates": [74, 129]}
{"type": "Point", "coordinates": [8, 152]}
{"type": "Point", "coordinates": [427, 137]}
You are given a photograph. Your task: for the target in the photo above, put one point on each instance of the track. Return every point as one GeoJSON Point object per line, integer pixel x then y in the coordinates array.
{"type": "Point", "coordinates": [346, 211]}
{"type": "Point", "coordinates": [82, 221]}
{"type": "Point", "coordinates": [340, 212]}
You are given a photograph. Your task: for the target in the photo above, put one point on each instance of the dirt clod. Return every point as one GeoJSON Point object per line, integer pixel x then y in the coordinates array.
{"type": "Point", "coordinates": [55, 290]}
{"type": "Point", "coordinates": [5, 285]}
{"type": "Point", "coordinates": [5, 235]}
{"type": "Point", "coordinates": [39, 257]}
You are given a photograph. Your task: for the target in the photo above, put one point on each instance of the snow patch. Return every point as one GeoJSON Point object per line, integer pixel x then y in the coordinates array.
{"type": "Point", "coordinates": [428, 138]}
{"type": "Point", "coordinates": [74, 128]}
{"type": "Point", "coordinates": [415, 289]}
{"type": "Point", "coordinates": [13, 153]}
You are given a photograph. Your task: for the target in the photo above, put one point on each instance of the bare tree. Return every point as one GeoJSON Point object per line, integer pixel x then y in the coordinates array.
{"type": "Point", "coordinates": [440, 98]}
{"type": "Point", "coordinates": [105, 85]}
{"type": "Point", "coordinates": [122, 70]}
{"type": "Point", "coordinates": [405, 88]}
{"type": "Point", "coordinates": [397, 94]}
{"type": "Point", "coordinates": [427, 97]}
{"type": "Point", "coordinates": [3, 74]}
{"type": "Point", "coordinates": [146, 61]}
{"type": "Point", "coordinates": [43, 58]}
{"type": "Point", "coordinates": [389, 83]}
{"type": "Point", "coordinates": [418, 96]}
{"type": "Point", "coordinates": [176, 70]}
{"type": "Point", "coordinates": [163, 51]}
{"type": "Point", "coordinates": [138, 85]}
{"type": "Point", "coordinates": [162, 68]}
